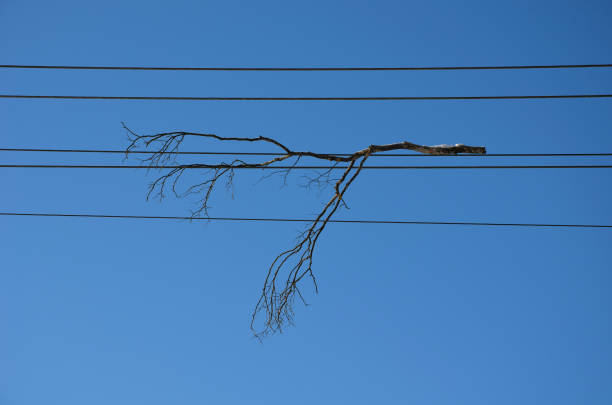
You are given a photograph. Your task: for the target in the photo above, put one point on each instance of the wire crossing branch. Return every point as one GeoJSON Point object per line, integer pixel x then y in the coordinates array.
{"type": "Point", "coordinates": [282, 282]}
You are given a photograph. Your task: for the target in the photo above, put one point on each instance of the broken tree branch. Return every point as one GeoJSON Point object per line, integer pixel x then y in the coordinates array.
{"type": "Point", "coordinates": [290, 267]}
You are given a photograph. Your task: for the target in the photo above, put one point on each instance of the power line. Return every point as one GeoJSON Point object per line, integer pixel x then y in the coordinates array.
{"type": "Point", "coordinates": [303, 69]}
{"type": "Point", "coordinates": [354, 221]}
{"type": "Point", "coordinates": [222, 166]}
{"type": "Point", "coordinates": [115, 151]}
{"type": "Point", "coordinates": [400, 98]}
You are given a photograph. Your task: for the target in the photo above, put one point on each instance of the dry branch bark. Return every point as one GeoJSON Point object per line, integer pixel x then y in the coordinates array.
{"type": "Point", "coordinates": [282, 282]}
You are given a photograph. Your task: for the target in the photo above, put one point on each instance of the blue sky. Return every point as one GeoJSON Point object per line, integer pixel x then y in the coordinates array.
{"type": "Point", "coordinates": [128, 311]}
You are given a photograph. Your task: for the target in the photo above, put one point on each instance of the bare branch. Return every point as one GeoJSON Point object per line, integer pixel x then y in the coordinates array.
{"type": "Point", "coordinates": [287, 270]}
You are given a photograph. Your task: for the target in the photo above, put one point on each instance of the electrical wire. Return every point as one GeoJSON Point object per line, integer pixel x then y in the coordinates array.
{"type": "Point", "coordinates": [400, 98]}
{"type": "Point", "coordinates": [115, 151]}
{"type": "Point", "coordinates": [354, 221]}
{"type": "Point", "coordinates": [224, 166]}
{"type": "Point", "coordinates": [303, 69]}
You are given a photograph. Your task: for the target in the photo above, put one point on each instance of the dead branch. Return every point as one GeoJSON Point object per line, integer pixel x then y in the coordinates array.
{"type": "Point", "coordinates": [290, 267]}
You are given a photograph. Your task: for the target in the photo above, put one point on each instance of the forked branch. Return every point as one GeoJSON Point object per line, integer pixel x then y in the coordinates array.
{"type": "Point", "coordinates": [282, 283]}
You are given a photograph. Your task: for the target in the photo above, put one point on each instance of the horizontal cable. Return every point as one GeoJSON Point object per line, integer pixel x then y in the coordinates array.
{"type": "Point", "coordinates": [203, 166]}
{"type": "Point", "coordinates": [305, 69]}
{"type": "Point", "coordinates": [282, 154]}
{"type": "Point", "coordinates": [401, 98]}
{"type": "Point", "coordinates": [354, 221]}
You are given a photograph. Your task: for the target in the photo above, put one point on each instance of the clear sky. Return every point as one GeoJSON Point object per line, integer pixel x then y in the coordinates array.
{"type": "Point", "coordinates": [157, 312]}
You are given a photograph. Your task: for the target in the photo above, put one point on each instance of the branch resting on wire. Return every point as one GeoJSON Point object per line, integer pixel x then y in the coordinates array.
{"type": "Point", "coordinates": [282, 282]}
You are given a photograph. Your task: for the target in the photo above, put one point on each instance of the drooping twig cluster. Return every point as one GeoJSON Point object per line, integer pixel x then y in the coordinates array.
{"type": "Point", "coordinates": [282, 282]}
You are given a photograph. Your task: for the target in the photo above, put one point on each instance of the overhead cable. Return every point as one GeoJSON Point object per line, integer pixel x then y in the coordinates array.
{"type": "Point", "coordinates": [375, 98]}
{"type": "Point", "coordinates": [303, 69]}
{"type": "Point", "coordinates": [353, 221]}
{"type": "Point", "coordinates": [123, 152]}
{"type": "Point", "coordinates": [224, 166]}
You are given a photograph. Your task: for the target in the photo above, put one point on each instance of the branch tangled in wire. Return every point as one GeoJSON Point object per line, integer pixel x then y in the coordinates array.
{"type": "Point", "coordinates": [282, 282]}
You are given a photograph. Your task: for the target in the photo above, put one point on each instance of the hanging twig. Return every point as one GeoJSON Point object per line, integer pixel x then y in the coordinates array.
{"type": "Point", "coordinates": [282, 282]}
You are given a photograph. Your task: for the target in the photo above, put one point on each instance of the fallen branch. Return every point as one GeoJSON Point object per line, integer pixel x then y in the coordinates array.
{"type": "Point", "coordinates": [282, 282]}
